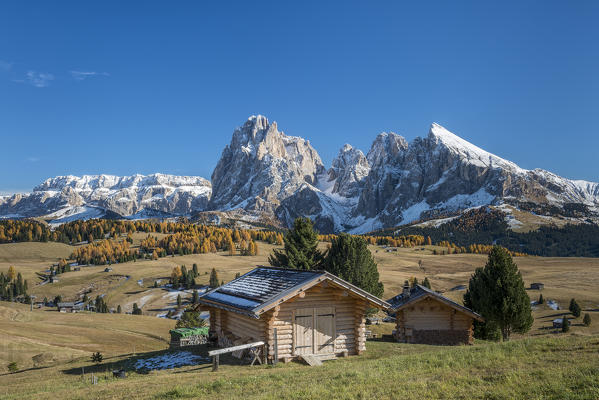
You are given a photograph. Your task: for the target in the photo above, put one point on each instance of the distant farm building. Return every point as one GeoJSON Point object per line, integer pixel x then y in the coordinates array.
{"type": "Point", "coordinates": [537, 286]}
{"type": "Point", "coordinates": [68, 307]}
{"type": "Point", "coordinates": [297, 313]}
{"type": "Point", "coordinates": [107, 269]}
{"type": "Point", "coordinates": [425, 316]}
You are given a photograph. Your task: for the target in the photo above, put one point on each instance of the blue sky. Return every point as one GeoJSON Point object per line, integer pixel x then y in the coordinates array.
{"type": "Point", "coordinates": [142, 87]}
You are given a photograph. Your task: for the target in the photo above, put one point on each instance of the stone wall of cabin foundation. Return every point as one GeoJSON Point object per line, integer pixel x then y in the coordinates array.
{"type": "Point", "coordinates": [441, 337]}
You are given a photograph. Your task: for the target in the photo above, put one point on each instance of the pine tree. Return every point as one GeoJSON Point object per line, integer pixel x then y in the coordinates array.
{"type": "Point", "coordinates": [350, 259]}
{"type": "Point", "coordinates": [565, 324]}
{"type": "Point", "coordinates": [587, 319]}
{"type": "Point", "coordinates": [118, 309]}
{"type": "Point", "coordinates": [541, 299]}
{"type": "Point", "coordinates": [195, 297]}
{"type": "Point", "coordinates": [190, 319]}
{"type": "Point", "coordinates": [179, 300]}
{"type": "Point", "coordinates": [300, 248]}
{"type": "Point", "coordinates": [426, 283]}
{"type": "Point", "coordinates": [136, 309]}
{"type": "Point", "coordinates": [213, 279]}
{"type": "Point", "coordinates": [497, 293]}
{"type": "Point", "coordinates": [576, 310]}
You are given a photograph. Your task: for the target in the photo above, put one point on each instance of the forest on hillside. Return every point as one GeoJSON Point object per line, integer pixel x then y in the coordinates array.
{"type": "Point", "coordinates": [488, 226]}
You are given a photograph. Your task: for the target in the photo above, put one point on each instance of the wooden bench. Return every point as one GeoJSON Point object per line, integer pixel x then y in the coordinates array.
{"type": "Point", "coordinates": [254, 351]}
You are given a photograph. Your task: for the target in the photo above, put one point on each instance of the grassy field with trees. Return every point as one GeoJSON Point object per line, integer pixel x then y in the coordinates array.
{"type": "Point", "coordinates": [43, 351]}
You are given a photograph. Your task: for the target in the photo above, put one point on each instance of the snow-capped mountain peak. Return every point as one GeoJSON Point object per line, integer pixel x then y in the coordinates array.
{"type": "Point", "coordinates": [470, 152]}
{"type": "Point", "coordinates": [265, 173]}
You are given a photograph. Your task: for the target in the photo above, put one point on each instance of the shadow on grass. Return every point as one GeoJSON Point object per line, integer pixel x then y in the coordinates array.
{"type": "Point", "coordinates": [127, 362]}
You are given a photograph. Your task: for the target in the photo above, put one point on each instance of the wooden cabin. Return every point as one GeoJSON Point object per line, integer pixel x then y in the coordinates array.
{"type": "Point", "coordinates": [425, 316]}
{"type": "Point", "coordinates": [295, 312]}
{"type": "Point", "coordinates": [537, 286]}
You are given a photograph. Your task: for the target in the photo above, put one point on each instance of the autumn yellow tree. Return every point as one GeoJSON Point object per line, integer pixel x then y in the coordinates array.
{"type": "Point", "coordinates": [12, 273]}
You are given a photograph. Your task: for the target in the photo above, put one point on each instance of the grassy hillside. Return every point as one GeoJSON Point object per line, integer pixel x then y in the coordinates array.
{"type": "Point", "coordinates": [546, 368]}
{"type": "Point", "coordinates": [51, 348]}
{"type": "Point", "coordinates": [43, 337]}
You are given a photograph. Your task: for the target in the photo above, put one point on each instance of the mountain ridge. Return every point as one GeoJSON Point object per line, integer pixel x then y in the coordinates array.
{"type": "Point", "coordinates": [264, 173]}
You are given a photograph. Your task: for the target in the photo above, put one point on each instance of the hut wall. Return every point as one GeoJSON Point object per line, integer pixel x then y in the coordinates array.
{"type": "Point", "coordinates": [432, 322]}
{"type": "Point", "coordinates": [349, 321]}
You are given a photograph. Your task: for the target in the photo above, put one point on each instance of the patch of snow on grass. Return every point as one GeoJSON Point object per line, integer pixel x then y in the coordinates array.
{"type": "Point", "coordinates": [553, 304]}
{"type": "Point", "coordinates": [170, 360]}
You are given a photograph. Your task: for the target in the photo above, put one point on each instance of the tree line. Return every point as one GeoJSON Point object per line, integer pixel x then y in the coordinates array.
{"type": "Point", "coordinates": [13, 287]}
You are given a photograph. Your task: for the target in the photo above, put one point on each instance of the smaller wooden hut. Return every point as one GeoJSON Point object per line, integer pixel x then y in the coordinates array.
{"type": "Point", "coordinates": [427, 317]}
{"type": "Point", "coordinates": [295, 312]}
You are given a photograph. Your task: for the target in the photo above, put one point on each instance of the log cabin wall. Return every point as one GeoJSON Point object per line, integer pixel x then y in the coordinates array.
{"type": "Point", "coordinates": [349, 321]}
{"type": "Point", "coordinates": [430, 321]}
{"type": "Point", "coordinates": [233, 328]}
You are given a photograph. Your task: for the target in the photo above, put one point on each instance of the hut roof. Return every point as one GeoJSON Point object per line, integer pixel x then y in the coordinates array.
{"type": "Point", "coordinates": [420, 292]}
{"type": "Point", "coordinates": [264, 287]}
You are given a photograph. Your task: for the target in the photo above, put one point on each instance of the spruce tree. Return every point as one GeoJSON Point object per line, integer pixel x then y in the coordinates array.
{"type": "Point", "coordinates": [213, 279]}
{"type": "Point", "coordinates": [118, 309]}
{"type": "Point", "coordinates": [541, 299]}
{"type": "Point", "coordinates": [350, 259]}
{"type": "Point", "coordinates": [497, 293]}
{"type": "Point", "coordinates": [576, 310]}
{"type": "Point", "coordinates": [565, 324]}
{"type": "Point", "coordinates": [587, 319]}
{"type": "Point", "coordinates": [571, 306]}
{"type": "Point", "coordinates": [179, 300]}
{"type": "Point", "coordinates": [300, 248]}
{"type": "Point", "coordinates": [136, 309]}
{"type": "Point", "coordinates": [426, 283]}
{"type": "Point", "coordinates": [195, 297]}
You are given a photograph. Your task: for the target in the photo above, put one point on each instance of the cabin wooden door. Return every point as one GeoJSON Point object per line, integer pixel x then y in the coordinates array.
{"type": "Point", "coordinates": [324, 331]}
{"type": "Point", "coordinates": [314, 331]}
{"type": "Point", "coordinates": [304, 331]}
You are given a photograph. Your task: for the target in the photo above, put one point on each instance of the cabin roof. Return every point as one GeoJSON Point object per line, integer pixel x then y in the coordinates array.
{"type": "Point", "coordinates": [264, 287]}
{"type": "Point", "coordinates": [419, 292]}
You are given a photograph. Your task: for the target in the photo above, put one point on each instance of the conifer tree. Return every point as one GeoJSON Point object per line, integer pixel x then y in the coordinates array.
{"type": "Point", "coordinates": [426, 283]}
{"type": "Point", "coordinates": [350, 259]}
{"type": "Point", "coordinates": [541, 299]}
{"type": "Point", "coordinates": [118, 309]}
{"type": "Point", "coordinates": [565, 324]}
{"type": "Point", "coordinates": [195, 297]}
{"type": "Point", "coordinates": [136, 309]}
{"type": "Point", "coordinates": [587, 319]}
{"type": "Point", "coordinates": [179, 300]}
{"type": "Point", "coordinates": [213, 279]}
{"type": "Point", "coordinates": [497, 293]}
{"type": "Point", "coordinates": [300, 248]}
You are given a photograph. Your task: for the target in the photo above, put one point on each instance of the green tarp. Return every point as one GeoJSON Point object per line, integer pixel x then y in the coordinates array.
{"type": "Point", "coordinates": [186, 332]}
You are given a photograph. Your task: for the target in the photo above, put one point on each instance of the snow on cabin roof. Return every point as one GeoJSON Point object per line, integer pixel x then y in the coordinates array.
{"type": "Point", "coordinates": [259, 286]}
{"type": "Point", "coordinates": [419, 292]}
{"type": "Point", "coordinates": [257, 291]}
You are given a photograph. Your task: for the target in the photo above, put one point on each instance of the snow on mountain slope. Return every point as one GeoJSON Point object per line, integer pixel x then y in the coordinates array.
{"type": "Point", "coordinates": [469, 152]}
{"type": "Point", "coordinates": [71, 196]}
{"type": "Point", "coordinates": [266, 175]}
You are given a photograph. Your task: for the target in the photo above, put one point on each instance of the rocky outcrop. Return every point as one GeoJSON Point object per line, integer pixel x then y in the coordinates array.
{"type": "Point", "coordinates": [348, 172]}
{"type": "Point", "coordinates": [262, 167]}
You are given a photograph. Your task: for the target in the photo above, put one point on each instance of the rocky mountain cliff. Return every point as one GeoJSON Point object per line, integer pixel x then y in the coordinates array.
{"type": "Point", "coordinates": [264, 174]}
{"type": "Point", "coordinates": [262, 167]}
